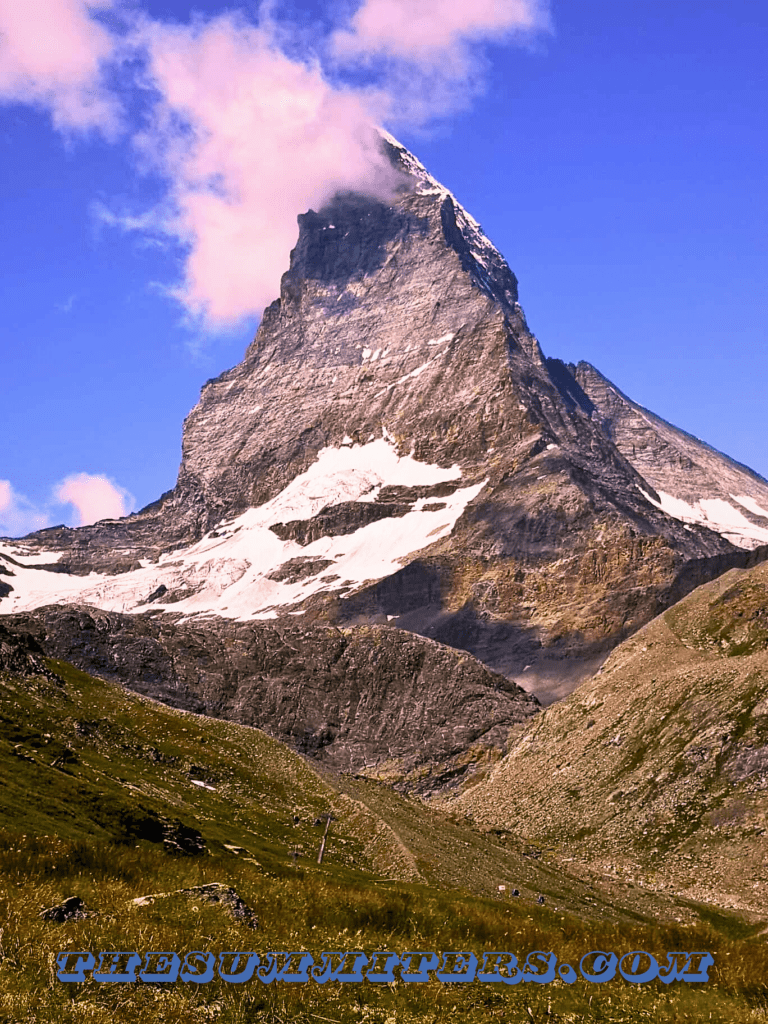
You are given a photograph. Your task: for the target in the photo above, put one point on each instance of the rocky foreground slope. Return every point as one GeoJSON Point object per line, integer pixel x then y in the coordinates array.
{"type": "Point", "coordinates": [656, 769]}
{"type": "Point", "coordinates": [394, 447]}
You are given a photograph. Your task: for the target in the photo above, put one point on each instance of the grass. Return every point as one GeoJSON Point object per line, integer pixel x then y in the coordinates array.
{"type": "Point", "coordinates": [89, 774]}
{"type": "Point", "coordinates": [309, 910]}
{"type": "Point", "coordinates": [732, 623]}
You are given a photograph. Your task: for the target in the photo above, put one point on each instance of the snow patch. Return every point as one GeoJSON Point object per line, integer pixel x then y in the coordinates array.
{"type": "Point", "coordinates": [715, 514]}
{"type": "Point", "coordinates": [25, 554]}
{"type": "Point", "coordinates": [751, 505]}
{"type": "Point", "coordinates": [409, 376]}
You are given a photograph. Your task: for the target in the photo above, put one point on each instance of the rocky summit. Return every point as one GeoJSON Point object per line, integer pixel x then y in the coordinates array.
{"type": "Point", "coordinates": [396, 449]}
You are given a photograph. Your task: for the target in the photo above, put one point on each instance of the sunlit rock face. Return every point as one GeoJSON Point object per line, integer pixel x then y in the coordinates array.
{"type": "Point", "coordinates": [395, 448]}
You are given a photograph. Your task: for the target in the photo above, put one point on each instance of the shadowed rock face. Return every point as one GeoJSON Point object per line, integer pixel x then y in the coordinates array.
{"type": "Point", "coordinates": [401, 321]}
{"type": "Point", "coordinates": [363, 698]}
{"type": "Point", "coordinates": [21, 655]}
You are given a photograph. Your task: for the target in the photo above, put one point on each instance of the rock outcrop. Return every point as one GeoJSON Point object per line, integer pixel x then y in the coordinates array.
{"type": "Point", "coordinates": [217, 893]}
{"type": "Point", "coordinates": [368, 699]}
{"type": "Point", "coordinates": [21, 655]}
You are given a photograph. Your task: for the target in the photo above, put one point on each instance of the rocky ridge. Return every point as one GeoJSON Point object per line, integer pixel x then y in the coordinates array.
{"type": "Point", "coordinates": [695, 482]}
{"type": "Point", "coordinates": [372, 700]}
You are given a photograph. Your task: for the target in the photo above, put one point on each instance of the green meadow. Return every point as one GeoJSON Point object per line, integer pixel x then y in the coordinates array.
{"type": "Point", "coordinates": [92, 778]}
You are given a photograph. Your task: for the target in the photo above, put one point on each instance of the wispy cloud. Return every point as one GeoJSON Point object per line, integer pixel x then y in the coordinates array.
{"type": "Point", "coordinates": [94, 498]}
{"type": "Point", "coordinates": [18, 515]}
{"type": "Point", "coordinates": [109, 216]}
{"type": "Point", "coordinates": [53, 54]}
{"type": "Point", "coordinates": [428, 54]}
{"type": "Point", "coordinates": [66, 307]}
{"type": "Point", "coordinates": [426, 32]}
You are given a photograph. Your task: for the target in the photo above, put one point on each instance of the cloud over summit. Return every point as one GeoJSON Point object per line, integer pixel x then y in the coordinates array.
{"type": "Point", "coordinates": [245, 122]}
{"type": "Point", "coordinates": [247, 138]}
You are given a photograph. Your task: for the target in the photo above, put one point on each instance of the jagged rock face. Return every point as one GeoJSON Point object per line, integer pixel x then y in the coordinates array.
{"type": "Point", "coordinates": [657, 768]}
{"type": "Point", "coordinates": [368, 698]}
{"type": "Point", "coordinates": [379, 327]}
{"type": "Point", "coordinates": [21, 655]}
{"type": "Point", "coordinates": [394, 447]}
{"type": "Point", "coordinates": [695, 483]}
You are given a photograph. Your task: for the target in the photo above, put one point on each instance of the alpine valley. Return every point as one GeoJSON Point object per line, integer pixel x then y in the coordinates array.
{"type": "Point", "coordinates": [413, 548]}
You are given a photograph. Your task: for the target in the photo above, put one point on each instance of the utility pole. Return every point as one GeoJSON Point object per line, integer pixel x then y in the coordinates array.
{"type": "Point", "coordinates": [325, 836]}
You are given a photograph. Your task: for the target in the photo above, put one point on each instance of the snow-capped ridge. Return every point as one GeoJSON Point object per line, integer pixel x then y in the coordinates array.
{"type": "Point", "coordinates": [716, 514]}
{"type": "Point", "coordinates": [489, 268]}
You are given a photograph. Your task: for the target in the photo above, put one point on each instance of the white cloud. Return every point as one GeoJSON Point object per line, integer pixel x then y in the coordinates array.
{"type": "Point", "coordinates": [52, 53]}
{"type": "Point", "coordinates": [427, 32]}
{"type": "Point", "coordinates": [428, 53]}
{"type": "Point", "coordinates": [18, 516]}
{"type": "Point", "coordinates": [94, 498]}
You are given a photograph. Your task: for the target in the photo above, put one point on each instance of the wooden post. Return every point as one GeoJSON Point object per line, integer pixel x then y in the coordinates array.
{"type": "Point", "coordinates": [325, 834]}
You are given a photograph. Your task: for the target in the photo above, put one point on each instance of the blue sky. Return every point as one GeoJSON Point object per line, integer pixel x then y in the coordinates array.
{"type": "Point", "coordinates": [617, 157]}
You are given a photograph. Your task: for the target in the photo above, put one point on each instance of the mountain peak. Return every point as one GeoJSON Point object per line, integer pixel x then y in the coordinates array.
{"type": "Point", "coordinates": [480, 257]}
{"type": "Point", "coordinates": [395, 448]}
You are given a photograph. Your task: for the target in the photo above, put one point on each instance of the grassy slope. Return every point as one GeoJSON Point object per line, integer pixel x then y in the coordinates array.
{"type": "Point", "coordinates": [657, 769]}
{"type": "Point", "coordinates": [396, 876]}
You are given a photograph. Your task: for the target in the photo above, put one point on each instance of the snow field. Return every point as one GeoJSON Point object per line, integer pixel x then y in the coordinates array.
{"type": "Point", "coordinates": [227, 571]}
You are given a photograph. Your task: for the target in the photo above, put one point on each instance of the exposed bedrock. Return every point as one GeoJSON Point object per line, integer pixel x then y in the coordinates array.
{"type": "Point", "coordinates": [367, 698]}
